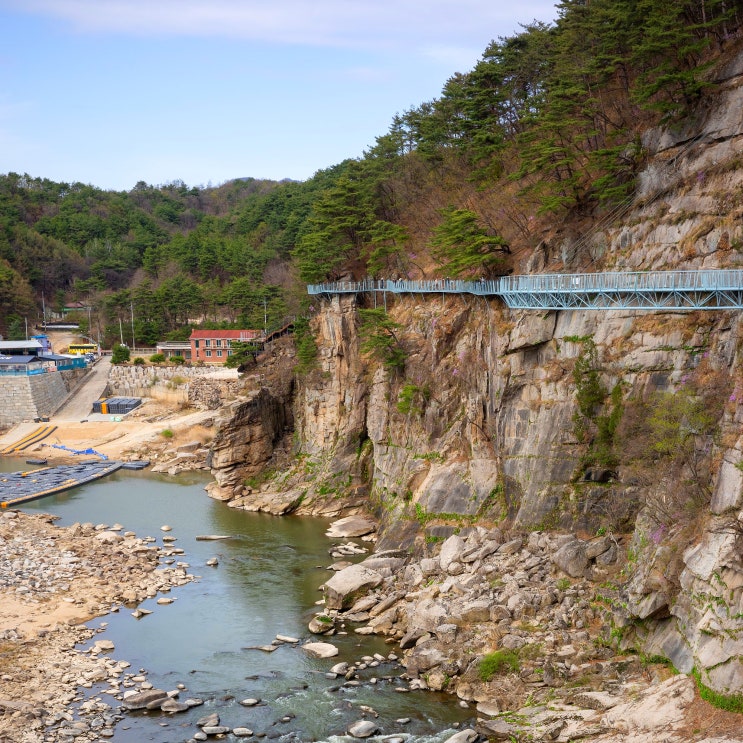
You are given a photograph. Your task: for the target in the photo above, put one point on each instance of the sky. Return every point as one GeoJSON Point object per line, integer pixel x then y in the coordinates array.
{"type": "Point", "coordinates": [112, 92]}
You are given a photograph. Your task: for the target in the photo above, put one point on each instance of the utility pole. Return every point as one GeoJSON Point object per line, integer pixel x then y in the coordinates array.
{"type": "Point", "coordinates": [121, 332]}
{"type": "Point", "coordinates": [131, 307]}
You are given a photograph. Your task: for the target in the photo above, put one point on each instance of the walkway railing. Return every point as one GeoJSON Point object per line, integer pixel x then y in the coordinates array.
{"type": "Point", "coordinates": [682, 290]}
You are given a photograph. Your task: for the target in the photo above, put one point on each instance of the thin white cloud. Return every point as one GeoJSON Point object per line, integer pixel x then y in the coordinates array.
{"type": "Point", "coordinates": [342, 23]}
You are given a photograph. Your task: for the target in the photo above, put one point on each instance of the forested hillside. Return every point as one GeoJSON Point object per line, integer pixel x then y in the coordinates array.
{"type": "Point", "coordinates": [543, 136]}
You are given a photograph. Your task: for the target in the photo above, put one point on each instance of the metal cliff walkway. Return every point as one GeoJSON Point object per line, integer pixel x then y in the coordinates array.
{"type": "Point", "coordinates": [633, 290]}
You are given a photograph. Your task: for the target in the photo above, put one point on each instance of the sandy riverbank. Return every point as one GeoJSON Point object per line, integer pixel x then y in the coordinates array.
{"type": "Point", "coordinates": [139, 435]}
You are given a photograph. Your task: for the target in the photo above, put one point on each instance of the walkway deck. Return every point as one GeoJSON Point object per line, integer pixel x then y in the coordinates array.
{"type": "Point", "coordinates": [21, 487]}
{"type": "Point", "coordinates": [632, 290]}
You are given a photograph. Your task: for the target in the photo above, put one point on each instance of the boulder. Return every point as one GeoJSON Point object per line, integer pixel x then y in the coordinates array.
{"type": "Point", "coordinates": [351, 526]}
{"type": "Point", "coordinates": [320, 649]}
{"type": "Point", "coordinates": [362, 729]}
{"type": "Point", "coordinates": [571, 558]}
{"type": "Point", "coordinates": [497, 729]}
{"type": "Point", "coordinates": [463, 736]}
{"type": "Point", "coordinates": [321, 624]}
{"type": "Point", "coordinates": [173, 706]}
{"type": "Point", "coordinates": [340, 589]}
{"type": "Point", "coordinates": [451, 549]}
{"type": "Point", "coordinates": [140, 700]}
{"type": "Point", "coordinates": [597, 547]}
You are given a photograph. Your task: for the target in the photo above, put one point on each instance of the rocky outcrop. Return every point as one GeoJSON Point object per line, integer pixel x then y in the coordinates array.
{"type": "Point", "coordinates": [245, 442]}
{"type": "Point", "coordinates": [482, 424]}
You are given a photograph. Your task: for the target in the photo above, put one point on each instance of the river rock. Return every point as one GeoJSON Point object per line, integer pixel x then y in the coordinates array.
{"type": "Point", "coordinates": [321, 649]}
{"type": "Point", "coordinates": [321, 624]}
{"type": "Point", "coordinates": [109, 537]}
{"type": "Point", "coordinates": [172, 706]}
{"type": "Point", "coordinates": [362, 729]}
{"type": "Point", "coordinates": [215, 729]}
{"type": "Point", "coordinates": [463, 736]}
{"type": "Point", "coordinates": [351, 526]}
{"type": "Point", "coordinates": [140, 700]}
{"type": "Point", "coordinates": [286, 639]}
{"type": "Point", "coordinates": [340, 589]}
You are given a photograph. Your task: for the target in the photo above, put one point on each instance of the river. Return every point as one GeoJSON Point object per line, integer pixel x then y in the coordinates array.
{"type": "Point", "coordinates": [266, 583]}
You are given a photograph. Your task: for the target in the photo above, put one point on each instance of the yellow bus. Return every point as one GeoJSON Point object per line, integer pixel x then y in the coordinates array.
{"type": "Point", "coordinates": [80, 349]}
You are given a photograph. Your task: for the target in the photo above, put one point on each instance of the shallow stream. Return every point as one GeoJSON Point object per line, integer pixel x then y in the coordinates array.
{"type": "Point", "coordinates": [266, 583]}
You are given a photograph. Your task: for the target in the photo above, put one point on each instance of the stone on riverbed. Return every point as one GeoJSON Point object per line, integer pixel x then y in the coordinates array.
{"type": "Point", "coordinates": [321, 624]}
{"type": "Point", "coordinates": [172, 705]}
{"type": "Point", "coordinates": [140, 700]}
{"type": "Point", "coordinates": [362, 729]}
{"type": "Point", "coordinates": [321, 649]}
{"type": "Point", "coordinates": [287, 639]}
{"type": "Point", "coordinates": [210, 720]}
{"type": "Point", "coordinates": [463, 736]}
{"type": "Point", "coordinates": [351, 526]}
{"type": "Point", "coordinates": [215, 729]}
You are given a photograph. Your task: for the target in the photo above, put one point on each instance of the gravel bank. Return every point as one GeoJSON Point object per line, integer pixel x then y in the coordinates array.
{"type": "Point", "coordinates": [52, 580]}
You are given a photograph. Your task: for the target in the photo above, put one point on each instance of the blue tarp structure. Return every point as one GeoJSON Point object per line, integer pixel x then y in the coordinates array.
{"type": "Point", "coordinates": [80, 451]}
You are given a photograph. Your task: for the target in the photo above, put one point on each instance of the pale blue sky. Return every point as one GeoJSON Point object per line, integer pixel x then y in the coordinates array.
{"type": "Point", "coordinates": [111, 92]}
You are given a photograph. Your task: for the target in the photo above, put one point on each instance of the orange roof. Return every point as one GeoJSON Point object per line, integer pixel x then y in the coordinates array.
{"type": "Point", "coordinates": [236, 334]}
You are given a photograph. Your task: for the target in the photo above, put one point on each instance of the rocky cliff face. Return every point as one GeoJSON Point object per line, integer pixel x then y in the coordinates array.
{"type": "Point", "coordinates": [492, 420]}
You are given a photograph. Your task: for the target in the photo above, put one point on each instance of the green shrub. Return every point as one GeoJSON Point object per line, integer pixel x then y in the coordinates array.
{"type": "Point", "coordinates": [157, 358]}
{"type": "Point", "coordinates": [138, 361]}
{"type": "Point", "coordinates": [177, 360]}
{"type": "Point", "coordinates": [120, 354]}
{"type": "Point", "coordinates": [501, 661]}
{"type": "Point", "coordinates": [166, 433]}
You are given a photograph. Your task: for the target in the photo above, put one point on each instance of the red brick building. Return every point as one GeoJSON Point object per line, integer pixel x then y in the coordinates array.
{"type": "Point", "coordinates": [214, 346]}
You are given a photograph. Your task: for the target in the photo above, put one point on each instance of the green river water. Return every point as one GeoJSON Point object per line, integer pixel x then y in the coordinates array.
{"type": "Point", "coordinates": [266, 584]}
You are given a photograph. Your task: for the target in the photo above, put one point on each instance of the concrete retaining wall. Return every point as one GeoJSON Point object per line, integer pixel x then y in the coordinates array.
{"type": "Point", "coordinates": [38, 396]}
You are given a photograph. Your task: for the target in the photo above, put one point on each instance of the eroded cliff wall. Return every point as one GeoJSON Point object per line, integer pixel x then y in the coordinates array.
{"type": "Point", "coordinates": [485, 424]}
